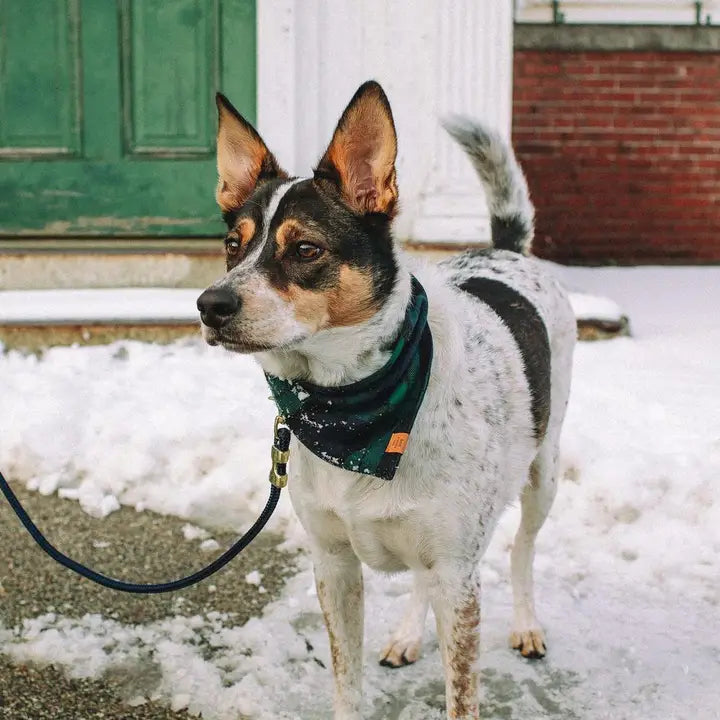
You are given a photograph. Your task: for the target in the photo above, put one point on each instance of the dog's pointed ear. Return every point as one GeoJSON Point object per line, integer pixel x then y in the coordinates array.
{"type": "Point", "coordinates": [360, 160]}
{"type": "Point", "coordinates": [243, 159]}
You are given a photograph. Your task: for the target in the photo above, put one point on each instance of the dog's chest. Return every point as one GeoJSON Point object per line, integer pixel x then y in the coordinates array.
{"type": "Point", "coordinates": [383, 525]}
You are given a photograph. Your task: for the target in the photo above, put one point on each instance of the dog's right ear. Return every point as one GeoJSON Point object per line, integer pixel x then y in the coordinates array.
{"type": "Point", "coordinates": [360, 159]}
{"type": "Point", "coordinates": [243, 159]}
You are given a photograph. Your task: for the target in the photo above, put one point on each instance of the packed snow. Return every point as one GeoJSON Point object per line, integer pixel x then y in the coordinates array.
{"type": "Point", "coordinates": [594, 307]}
{"type": "Point", "coordinates": [98, 305]}
{"type": "Point", "coordinates": [627, 567]}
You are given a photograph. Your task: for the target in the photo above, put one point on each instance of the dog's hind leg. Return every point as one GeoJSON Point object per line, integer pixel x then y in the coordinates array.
{"type": "Point", "coordinates": [403, 648]}
{"type": "Point", "coordinates": [537, 498]}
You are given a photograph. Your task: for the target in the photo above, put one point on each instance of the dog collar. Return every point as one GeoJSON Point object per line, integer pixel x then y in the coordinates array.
{"type": "Point", "coordinates": [364, 427]}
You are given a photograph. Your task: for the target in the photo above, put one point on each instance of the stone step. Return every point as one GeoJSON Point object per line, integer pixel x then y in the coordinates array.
{"type": "Point", "coordinates": [60, 263]}
{"type": "Point", "coordinates": [34, 319]}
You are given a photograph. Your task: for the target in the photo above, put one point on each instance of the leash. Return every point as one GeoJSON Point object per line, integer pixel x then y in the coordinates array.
{"type": "Point", "coordinates": [280, 454]}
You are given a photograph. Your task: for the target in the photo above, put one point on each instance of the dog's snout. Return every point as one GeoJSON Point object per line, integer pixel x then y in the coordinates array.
{"type": "Point", "coordinates": [217, 306]}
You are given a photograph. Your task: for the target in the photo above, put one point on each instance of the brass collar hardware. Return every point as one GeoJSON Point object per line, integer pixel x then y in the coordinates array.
{"type": "Point", "coordinates": [280, 453]}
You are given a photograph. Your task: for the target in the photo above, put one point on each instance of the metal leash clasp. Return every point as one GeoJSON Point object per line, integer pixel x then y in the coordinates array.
{"type": "Point", "coordinates": [280, 453]}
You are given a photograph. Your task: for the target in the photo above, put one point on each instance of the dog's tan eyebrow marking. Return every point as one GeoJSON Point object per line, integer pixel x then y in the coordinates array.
{"type": "Point", "coordinates": [289, 231]}
{"type": "Point", "coordinates": [244, 230]}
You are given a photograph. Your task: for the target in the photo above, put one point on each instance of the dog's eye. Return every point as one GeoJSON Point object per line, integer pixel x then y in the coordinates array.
{"type": "Point", "coordinates": [308, 251]}
{"type": "Point", "coordinates": [232, 246]}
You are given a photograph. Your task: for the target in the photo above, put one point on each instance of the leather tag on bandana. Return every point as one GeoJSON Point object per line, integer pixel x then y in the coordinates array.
{"type": "Point", "coordinates": [398, 443]}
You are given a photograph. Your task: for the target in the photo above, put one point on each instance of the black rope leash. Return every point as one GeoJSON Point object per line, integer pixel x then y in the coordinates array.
{"type": "Point", "coordinates": [278, 480]}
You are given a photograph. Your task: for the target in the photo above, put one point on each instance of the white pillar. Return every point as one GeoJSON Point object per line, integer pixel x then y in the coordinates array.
{"type": "Point", "coordinates": [472, 76]}
{"type": "Point", "coordinates": [432, 57]}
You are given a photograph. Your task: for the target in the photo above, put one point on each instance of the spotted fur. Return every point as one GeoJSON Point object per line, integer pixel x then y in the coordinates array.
{"type": "Point", "coordinates": [489, 422]}
{"type": "Point", "coordinates": [530, 334]}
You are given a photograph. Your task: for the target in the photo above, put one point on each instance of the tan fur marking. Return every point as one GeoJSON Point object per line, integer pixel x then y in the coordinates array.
{"type": "Point", "coordinates": [310, 307]}
{"type": "Point", "coordinates": [289, 231]}
{"type": "Point", "coordinates": [245, 230]}
{"type": "Point", "coordinates": [463, 658]}
{"type": "Point", "coordinates": [351, 303]}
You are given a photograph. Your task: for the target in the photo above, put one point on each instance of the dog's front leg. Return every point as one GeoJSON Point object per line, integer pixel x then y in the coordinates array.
{"type": "Point", "coordinates": [455, 599]}
{"type": "Point", "coordinates": [338, 576]}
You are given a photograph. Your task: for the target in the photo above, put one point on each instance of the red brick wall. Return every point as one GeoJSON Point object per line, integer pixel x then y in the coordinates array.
{"type": "Point", "coordinates": [622, 153]}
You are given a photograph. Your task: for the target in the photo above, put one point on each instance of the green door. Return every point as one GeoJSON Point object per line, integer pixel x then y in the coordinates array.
{"type": "Point", "coordinates": [107, 113]}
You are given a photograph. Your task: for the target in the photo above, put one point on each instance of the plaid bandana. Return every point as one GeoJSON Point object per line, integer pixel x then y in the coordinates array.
{"type": "Point", "coordinates": [364, 427]}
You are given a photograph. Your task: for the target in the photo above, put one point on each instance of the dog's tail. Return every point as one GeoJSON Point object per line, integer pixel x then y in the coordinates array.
{"type": "Point", "coordinates": [511, 211]}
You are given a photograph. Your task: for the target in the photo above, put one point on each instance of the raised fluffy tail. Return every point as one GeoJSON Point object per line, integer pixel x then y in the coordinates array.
{"type": "Point", "coordinates": [511, 211]}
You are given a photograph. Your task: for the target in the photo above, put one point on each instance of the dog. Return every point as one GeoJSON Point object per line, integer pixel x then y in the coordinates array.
{"type": "Point", "coordinates": [318, 292]}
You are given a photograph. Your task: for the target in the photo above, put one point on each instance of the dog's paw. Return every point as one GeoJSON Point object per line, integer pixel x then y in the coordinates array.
{"type": "Point", "coordinates": [530, 643]}
{"type": "Point", "coordinates": [400, 651]}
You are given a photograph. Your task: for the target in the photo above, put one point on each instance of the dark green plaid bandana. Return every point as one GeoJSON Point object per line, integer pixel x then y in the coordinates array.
{"type": "Point", "coordinates": [364, 427]}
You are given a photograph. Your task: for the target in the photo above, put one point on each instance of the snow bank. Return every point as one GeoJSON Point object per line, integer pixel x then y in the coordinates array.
{"type": "Point", "coordinates": [594, 307]}
{"type": "Point", "coordinates": [181, 429]}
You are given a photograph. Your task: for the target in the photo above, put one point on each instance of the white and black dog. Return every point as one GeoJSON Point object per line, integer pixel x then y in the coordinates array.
{"type": "Point", "coordinates": [317, 290]}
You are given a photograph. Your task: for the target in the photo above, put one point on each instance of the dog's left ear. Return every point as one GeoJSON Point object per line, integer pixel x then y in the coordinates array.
{"type": "Point", "coordinates": [360, 160]}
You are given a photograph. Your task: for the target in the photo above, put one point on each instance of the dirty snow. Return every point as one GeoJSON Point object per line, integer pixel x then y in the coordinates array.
{"type": "Point", "coordinates": [193, 532]}
{"type": "Point", "coordinates": [627, 565]}
{"type": "Point", "coordinates": [254, 578]}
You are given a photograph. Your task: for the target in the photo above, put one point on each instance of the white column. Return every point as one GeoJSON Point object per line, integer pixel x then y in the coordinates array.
{"type": "Point", "coordinates": [431, 56]}
{"type": "Point", "coordinates": [276, 76]}
{"type": "Point", "coordinates": [473, 76]}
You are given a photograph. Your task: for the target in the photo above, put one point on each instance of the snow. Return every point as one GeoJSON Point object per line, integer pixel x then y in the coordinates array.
{"type": "Point", "coordinates": [594, 307]}
{"type": "Point", "coordinates": [115, 305]}
{"type": "Point", "coordinates": [627, 565]}
{"type": "Point", "coordinates": [193, 532]}
{"type": "Point", "coordinates": [210, 545]}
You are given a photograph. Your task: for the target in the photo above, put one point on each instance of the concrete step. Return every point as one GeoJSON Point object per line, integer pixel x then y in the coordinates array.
{"type": "Point", "coordinates": [39, 263]}
{"type": "Point", "coordinates": [34, 319]}
{"type": "Point", "coordinates": [59, 263]}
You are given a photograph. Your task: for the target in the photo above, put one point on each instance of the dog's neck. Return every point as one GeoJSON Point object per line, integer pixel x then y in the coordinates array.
{"type": "Point", "coordinates": [343, 355]}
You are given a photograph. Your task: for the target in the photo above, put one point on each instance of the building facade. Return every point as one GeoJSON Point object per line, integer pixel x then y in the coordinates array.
{"type": "Point", "coordinates": [107, 122]}
{"type": "Point", "coordinates": [616, 119]}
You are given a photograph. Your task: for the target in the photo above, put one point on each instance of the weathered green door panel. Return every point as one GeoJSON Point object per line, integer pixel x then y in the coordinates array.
{"type": "Point", "coordinates": [39, 78]}
{"type": "Point", "coordinates": [238, 53]}
{"type": "Point", "coordinates": [171, 59]}
{"type": "Point", "coordinates": [172, 198]}
{"type": "Point", "coordinates": [141, 159]}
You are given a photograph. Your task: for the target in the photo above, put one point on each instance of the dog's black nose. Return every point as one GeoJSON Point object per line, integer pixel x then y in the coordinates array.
{"type": "Point", "coordinates": [217, 306]}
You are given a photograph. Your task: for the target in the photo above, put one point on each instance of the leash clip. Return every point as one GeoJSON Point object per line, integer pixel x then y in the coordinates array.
{"type": "Point", "coordinates": [280, 453]}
